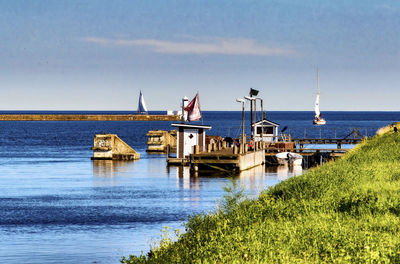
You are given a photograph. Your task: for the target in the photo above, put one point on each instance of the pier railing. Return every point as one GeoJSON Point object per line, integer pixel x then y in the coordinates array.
{"type": "Point", "coordinates": [308, 132]}
{"type": "Point", "coordinates": [331, 133]}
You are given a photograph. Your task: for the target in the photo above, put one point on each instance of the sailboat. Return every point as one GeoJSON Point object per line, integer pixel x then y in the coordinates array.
{"type": "Point", "coordinates": [142, 108]}
{"type": "Point", "coordinates": [318, 120]}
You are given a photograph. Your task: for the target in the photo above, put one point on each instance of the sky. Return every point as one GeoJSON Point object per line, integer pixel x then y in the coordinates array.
{"type": "Point", "coordinates": [98, 55]}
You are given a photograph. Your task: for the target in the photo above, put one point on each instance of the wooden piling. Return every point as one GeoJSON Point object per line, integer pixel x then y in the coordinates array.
{"type": "Point", "coordinates": [196, 149]}
{"type": "Point", "coordinates": [235, 149]}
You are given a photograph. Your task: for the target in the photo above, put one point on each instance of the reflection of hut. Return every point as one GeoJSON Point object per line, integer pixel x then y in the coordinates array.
{"type": "Point", "coordinates": [268, 129]}
{"type": "Point", "coordinates": [189, 136]}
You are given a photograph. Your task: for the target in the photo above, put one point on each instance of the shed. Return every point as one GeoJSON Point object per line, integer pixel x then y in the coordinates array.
{"type": "Point", "coordinates": [268, 129]}
{"type": "Point", "coordinates": [189, 136]}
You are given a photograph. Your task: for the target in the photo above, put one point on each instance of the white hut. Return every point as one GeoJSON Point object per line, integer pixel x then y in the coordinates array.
{"type": "Point", "coordinates": [268, 129]}
{"type": "Point", "coordinates": [189, 136]}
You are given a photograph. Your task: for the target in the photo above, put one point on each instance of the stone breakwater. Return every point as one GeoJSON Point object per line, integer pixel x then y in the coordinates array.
{"type": "Point", "coordinates": [78, 117]}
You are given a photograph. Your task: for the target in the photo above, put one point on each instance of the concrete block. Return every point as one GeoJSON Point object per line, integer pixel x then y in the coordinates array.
{"type": "Point", "coordinates": [111, 147]}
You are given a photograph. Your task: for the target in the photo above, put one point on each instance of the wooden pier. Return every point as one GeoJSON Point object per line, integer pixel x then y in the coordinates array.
{"type": "Point", "coordinates": [226, 160]}
{"type": "Point", "coordinates": [324, 141]}
{"type": "Point", "coordinates": [218, 157]}
{"type": "Point", "coordinates": [92, 117]}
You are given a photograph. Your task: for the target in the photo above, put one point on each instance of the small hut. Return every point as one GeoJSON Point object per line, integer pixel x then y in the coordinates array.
{"type": "Point", "coordinates": [268, 130]}
{"type": "Point", "coordinates": [189, 136]}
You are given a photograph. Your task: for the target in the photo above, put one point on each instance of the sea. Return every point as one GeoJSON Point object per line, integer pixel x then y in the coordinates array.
{"type": "Point", "coordinates": [59, 206]}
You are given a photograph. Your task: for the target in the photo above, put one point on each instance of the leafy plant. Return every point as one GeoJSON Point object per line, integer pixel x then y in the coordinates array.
{"type": "Point", "coordinates": [234, 193]}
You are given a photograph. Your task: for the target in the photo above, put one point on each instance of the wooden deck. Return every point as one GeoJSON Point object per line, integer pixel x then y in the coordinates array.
{"type": "Point", "coordinates": [226, 160]}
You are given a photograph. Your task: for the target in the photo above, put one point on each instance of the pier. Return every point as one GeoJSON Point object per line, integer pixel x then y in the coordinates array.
{"type": "Point", "coordinates": [161, 141]}
{"type": "Point", "coordinates": [219, 157]}
{"type": "Point", "coordinates": [91, 117]}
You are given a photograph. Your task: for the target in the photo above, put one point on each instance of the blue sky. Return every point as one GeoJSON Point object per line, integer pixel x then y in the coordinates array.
{"type": "Point", "coordinates": [98, 55]}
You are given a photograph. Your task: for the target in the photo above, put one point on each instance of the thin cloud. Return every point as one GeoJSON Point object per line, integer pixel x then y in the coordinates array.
{"type": "Point", "coordinates": [238, 46]}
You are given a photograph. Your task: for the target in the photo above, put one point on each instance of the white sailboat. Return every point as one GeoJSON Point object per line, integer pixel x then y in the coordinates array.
{"type": "Point", "coordinates": [318, 120]}
{"type": "Point", "coordinates": [142, 108]}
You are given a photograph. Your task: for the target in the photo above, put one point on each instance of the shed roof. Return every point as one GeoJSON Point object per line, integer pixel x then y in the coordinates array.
{"type": "Point", "coordinates": [266, 121]}
{"type": "Point", "coordinates": [191, 126]}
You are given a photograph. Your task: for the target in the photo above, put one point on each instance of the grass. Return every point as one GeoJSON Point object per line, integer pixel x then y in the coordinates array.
{"type": "Point", "coordinates": [347, 211]}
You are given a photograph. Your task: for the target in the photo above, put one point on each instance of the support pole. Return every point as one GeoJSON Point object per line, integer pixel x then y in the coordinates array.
{"type": "Point", "coordinates": [243, 135]}
{"type": "Point", "coordinates": [262, 121]}
{"type": "Point", "coordinates": [251, 118]}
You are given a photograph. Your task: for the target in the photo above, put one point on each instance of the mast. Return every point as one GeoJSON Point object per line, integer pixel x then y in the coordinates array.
{"type": "Point", "coordinates": [316, 106]}
{"type": "Point", "coordinates": [317, 81]}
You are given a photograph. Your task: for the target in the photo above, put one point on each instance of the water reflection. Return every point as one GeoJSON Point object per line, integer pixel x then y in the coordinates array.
{"type": "Point", "coordinates": [253, 178]}
{"type": "Point", "coordinates": [184, 180]}
{"type": "Point", "coordinates": [283, 172]}
{"type": "Point", "coordinates": [110, 168]}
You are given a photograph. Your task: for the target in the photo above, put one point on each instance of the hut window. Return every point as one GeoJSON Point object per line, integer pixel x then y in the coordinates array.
{"type": "Point", "coordinates": [267, 130]}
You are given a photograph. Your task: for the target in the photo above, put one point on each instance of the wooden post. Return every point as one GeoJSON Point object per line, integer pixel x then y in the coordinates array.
{"type": "Point", "coordinates": [168, 150]}
{"type": "Point", "coordinates": [241, 148]}
{"type": "Point", "coordinates": [209, 148]}
{"type": "Point", "coordinates": [235, 150]}
{"type": "Point", "coordinates": [196, 149]}
{"type": "Point", "coordinates": [246, 148]}
{"type": "Point", "coordinates": [224, 144]}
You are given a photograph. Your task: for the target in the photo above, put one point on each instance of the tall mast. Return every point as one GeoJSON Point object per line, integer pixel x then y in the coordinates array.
{"type": "Point", "coordinates": [317, 81]}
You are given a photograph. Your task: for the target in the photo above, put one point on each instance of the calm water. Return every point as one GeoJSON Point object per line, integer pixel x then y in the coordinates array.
{"type": "Point", "coordinates": [56, 205]}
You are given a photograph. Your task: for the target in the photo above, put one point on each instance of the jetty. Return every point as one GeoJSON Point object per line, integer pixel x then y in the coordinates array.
{"type": "Point", "coordinates": [161, 141]}
{"type": "Point", "coordinates": [111, 147]}
{"type": "Point", "coordinates": [86, 117]}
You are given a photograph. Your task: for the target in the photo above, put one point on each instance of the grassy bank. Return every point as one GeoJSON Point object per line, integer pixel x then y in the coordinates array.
{"type": "Point", "coordinates": [346, 211]}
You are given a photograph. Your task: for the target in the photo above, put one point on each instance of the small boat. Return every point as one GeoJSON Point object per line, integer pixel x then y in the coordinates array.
{"type": "Point", "coordinates": [318, 120]}
{"type": "Point", "coordinates": [289, 158]}
{"type": "Point", "coordinates": [142, 108]}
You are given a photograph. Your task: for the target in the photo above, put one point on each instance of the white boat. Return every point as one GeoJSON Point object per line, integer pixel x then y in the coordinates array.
{"type": "Point", "coordinates": [318, 120]}
{"type": "Point", "coordinates": [289, 158]}
{"type": "Point", "coordinates": [142, 108]}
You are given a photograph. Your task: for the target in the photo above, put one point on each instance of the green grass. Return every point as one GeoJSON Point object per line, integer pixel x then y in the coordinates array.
{"type": "Point", "coordinates": [347, 211]}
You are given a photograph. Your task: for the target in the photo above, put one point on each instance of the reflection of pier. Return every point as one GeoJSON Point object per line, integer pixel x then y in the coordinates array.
{"type": "Point", "coordinates": [110, 168]}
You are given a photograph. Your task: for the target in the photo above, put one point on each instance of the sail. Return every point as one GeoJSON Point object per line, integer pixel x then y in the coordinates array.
{"type": "Point", "coordinates": [142, 108]}
{"type": "Point", "coordinates": [316, 106]}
